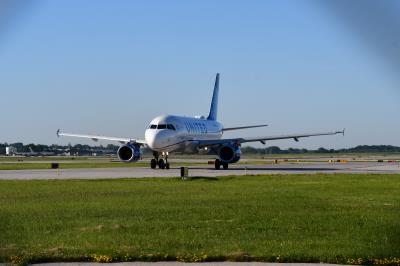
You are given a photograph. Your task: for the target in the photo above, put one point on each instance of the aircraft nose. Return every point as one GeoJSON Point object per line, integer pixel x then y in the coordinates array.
{"type": "Point", "coordinates": [154, 139]}
{"type": "Point", "coordinates": [151, 139]}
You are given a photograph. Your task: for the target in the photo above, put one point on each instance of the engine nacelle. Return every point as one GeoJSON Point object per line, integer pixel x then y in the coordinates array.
{"type": "Point", "coordinates": [129, 153]}
{"type": "Point", "coordinates": [229, 153]}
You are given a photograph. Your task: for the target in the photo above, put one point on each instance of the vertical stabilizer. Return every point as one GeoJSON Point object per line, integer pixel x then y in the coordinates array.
{"type": "Point", "coordinates": [214, 103]}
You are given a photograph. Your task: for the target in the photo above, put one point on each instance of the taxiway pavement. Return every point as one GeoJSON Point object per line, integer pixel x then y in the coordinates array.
{"type": "Point", "coordinates": [203, 171]}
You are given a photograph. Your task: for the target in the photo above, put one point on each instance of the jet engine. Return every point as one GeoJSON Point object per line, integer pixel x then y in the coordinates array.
{"type": "Point", "coordinates": [129, 153]}
{"type": "Point", "coordinates": [229, 153]}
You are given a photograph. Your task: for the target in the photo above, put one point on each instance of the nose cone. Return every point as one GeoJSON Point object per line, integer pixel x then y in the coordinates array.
{"type": "Point", "coordinates": [156, 139]}
{"type": "Point", "coordinates": [150, 137]}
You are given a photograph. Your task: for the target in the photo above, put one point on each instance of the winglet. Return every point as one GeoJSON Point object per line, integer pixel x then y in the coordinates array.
{"type": "Point", "coordinates": [58, 133]}
{"type": "Point", "coordinates": [214, 103]}
{"type": "Point", "coordinates": [343, 131]}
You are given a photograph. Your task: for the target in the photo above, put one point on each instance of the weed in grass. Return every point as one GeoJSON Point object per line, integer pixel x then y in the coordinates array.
{"type": "Point", "coordinates": [101, 258]}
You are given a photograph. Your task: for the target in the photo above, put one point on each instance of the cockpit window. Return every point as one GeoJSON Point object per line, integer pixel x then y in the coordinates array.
{"type": "Point", "coordinates": [163, 126]}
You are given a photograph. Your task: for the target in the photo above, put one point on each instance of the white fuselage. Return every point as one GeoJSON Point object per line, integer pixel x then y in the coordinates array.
{"type": "Point", "coordinates": [179, 134]}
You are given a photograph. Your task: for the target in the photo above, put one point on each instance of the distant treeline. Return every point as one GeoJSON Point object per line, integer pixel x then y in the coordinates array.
{"type": "Point", "coordinates": [79, 149]}
{"type": "Point", "coordinates": [57, 149]}
{"type": "Point", "coordinates": [357, 149]}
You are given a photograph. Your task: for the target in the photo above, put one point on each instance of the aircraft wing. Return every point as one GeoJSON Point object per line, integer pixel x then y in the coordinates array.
{"type": "Point", "coordinates": [98, 137]}
{"type": "Point", "coordinates": [238, 128]}
{"type": "Point", "coordinates": [296, 137]}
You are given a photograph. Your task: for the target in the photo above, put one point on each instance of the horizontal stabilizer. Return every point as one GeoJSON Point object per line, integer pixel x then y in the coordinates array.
{"type": "Point", "coordinates": [246, 127]}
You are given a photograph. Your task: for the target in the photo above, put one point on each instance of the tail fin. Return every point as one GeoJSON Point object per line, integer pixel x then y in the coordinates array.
{"type": "Point", "coordinates": [214, 103]}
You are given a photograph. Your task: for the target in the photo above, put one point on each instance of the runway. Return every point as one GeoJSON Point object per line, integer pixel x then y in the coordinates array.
{"type": "Point", "coordinates": [203, 171]}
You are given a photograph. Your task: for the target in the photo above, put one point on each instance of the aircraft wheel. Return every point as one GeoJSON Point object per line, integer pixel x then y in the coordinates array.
{"type": "Point", "coordinates": [226, 166]}
{"type": "Point", "coordinates": [153, 164]}
{"type": "Point", "coordinates": [167, 166]}
{"type": "Point", "coordinates": [161, 164]}
{"type": "Point", "coordinates": [217, 164]}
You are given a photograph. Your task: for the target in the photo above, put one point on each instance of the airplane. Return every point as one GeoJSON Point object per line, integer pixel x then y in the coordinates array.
{"type": "Point", "coordinates": [189, 135]}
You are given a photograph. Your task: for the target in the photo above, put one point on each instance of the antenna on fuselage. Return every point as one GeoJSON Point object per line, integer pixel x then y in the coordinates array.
{"type": "Point", "coordinates": [214, 102]}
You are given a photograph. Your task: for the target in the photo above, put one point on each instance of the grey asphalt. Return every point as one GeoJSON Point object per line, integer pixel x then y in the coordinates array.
{"type": "Point", "coordinates": [196, 171]}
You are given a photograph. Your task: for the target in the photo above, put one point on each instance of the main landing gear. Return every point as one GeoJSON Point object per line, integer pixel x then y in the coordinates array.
{"type": "Point", "coordinates": [218, 165]}
{"type": "Point", "coordinates": [159, 162]}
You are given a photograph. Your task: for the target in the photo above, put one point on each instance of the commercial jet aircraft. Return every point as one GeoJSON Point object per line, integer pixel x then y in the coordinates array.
{"type": "Point", "coordinates": [169, 133]}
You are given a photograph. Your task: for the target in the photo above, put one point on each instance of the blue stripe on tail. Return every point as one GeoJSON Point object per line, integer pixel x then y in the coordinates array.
{"type": "Point", "coordinates": [214, 103]}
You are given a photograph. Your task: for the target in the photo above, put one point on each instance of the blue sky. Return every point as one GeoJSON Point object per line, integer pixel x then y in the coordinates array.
{"type": "Point", "coordinates": [109, 67]}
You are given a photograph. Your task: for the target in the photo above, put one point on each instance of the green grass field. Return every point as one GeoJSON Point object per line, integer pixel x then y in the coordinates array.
{"type": "Point", "coordinates": [69, 165]}
{"type": "Point", "coordinates": [43, 158]}
{"type": "Point", "coordinates": [285, 218]}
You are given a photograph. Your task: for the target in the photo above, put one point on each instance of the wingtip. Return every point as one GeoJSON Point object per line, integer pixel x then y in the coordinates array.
{"type": "Point", "coordinates": [341, 131]}
{"type": "Point", "coordinates": [58, 133]}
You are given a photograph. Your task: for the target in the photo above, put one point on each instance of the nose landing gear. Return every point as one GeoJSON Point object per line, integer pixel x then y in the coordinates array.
{"type": "Point", "coordinates": [153, 163]}
{"type": "Point", "coordinates": [159, 162]}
